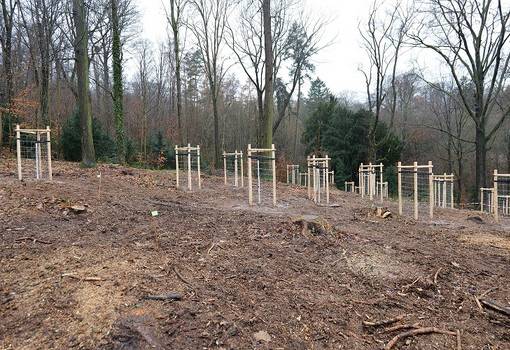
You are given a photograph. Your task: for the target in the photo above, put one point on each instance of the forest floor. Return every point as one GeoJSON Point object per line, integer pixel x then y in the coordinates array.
{"type": "Point", "coordinates": [245, 277]}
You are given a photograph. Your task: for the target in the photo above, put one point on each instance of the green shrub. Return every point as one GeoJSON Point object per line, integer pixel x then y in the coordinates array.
{"type": "Point", "coordinates": [71, 141]}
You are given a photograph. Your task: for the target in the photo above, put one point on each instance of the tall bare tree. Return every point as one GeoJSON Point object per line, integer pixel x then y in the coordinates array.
{"type": "Point", "coordinates": [267, 125]}
{"type": "Point", "coordinates": [82, 72]}
{"type": "Point", "coordinates": [42, 21]}
{"type": "Point", "coordinates": [472, 39]}
{"type": "Point", "coordinates": [6, 36]}
{"type": "Point", "coordinates": [246, 39]}
{"type": "Point", "coordinates": [209, 30]}
{"type": "Point", "coordinates": [175, 20]}
{"type": "Point", "coordinates": [383, 39]}
{"type": "Point", "coordinates": [118, 86]}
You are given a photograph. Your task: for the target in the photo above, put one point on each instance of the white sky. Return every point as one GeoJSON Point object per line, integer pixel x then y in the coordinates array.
{"type": "Point", "coordinates": [337, 64]}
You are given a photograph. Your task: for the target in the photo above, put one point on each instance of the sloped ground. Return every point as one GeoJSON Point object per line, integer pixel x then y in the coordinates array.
{"type": "Point", "coordinates": [249, 277]}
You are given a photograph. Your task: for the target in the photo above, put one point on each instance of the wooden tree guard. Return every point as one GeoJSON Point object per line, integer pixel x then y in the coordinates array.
{"type": "Point", "coordinates": [318, 169]}
{"type": "Point", "coordinates": [292, 174]}
{"type": "Point", "coordinates": [350, 186]}
{"type": "Point", "coordinates": [238, 167]}
{"type": "Point", "coordinates": [490, 199]}
{"type": "Point", "coordinates": [257, 154]}
{"type": "Point", "coordinates": [414, 170]}
{"type": "Point", "coordinates": [39, 146]}
{"type": "Point", "coordinates": [501, 192]}
{"type": "Point", "coordinates": [367, 177]}
{"type": "Point", "coordinates": [444, 184]}
{"type": "Point", "coordinates": [188, 152]}
{"type": "Point", "coordinates": [303, 179]}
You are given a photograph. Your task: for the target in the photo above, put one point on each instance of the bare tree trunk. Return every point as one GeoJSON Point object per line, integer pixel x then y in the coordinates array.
{"type": "Point", "coordinates": [508, 152]}
{"type": "Point", "coordinates": [118, 88]}
{"type": "Point", "coordinates": [267, 127]}
{"type": "Point", "coordinates": [82, 70]}
{"type": "Point", "coordinates": [8, 10]}
{"type": "Point", "coordinates": [260, 110]}
{"type": "Point", "coordinates": [216, 130]}
{"type": "Point", "coordinates": [175, 22]}
{"type": "Point", "coordinates": [480, 158]}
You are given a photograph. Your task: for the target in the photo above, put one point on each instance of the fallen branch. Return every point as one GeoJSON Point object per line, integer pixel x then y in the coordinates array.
{"type": "Point", "coordinates": [459, 340]}
{"type": "Point", "coordinates": [426, 330]}
{"type": "Point", "coordinates": [491, 304]}
{"type": "Point", "coordinates": [210, 249]}
{"type": "Point", "coordinates": [173, 296]}
{"type": "Point", "coordinates": [86, 279]}
{"type": "Point", "coordinates": [35, 240]}
{"type": "Point", "coordinates": [383, 322]}
{"type": "Point", "coordinates": [400, 327]}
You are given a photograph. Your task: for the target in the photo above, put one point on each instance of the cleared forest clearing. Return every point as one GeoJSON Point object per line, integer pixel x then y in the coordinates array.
{"type": "Point", "coordinates": [81, 262]}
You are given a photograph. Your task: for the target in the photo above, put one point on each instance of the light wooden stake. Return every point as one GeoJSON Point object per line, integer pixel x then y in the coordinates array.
{"type": "Point", "coordinates": [399, 181]}
{"type": "Point", "coordinates": [48, 140]}
{"type": "Point", "coordinates": [495, 199]}
{"type": "Point", "coordinates": [18, 151]}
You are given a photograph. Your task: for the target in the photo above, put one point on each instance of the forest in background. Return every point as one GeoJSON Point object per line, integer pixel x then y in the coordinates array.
{"type": "Point", "coordinates": [63, 65]}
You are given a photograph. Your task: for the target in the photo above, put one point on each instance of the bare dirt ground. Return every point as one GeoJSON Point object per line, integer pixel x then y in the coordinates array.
{"type": "Point", "coordinates": [248, 277]}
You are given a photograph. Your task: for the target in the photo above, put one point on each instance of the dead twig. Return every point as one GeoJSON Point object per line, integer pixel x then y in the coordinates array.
{"type": "Point", "coordinates": [493, 305]}
{"type": "Point", "coordinates": [400, 327]}
{"type": "Point", "coordinates": [487, 292]}
{"type": "Point", "coordinates": [35, 240]}
{"type": "Point", "coordinates": [478, 303]}
{"type": "Point", "coordinates": [436, 275]}
{"type": "Point", "coordinates": [407, 286]}
{"type": "Point", "coordinates": [412, 333]}
{"type": "Point", "coordinates": [383, 322]}
{"type": "Point", "coordinates": [180, 276]}
{"type": "Point", "coordinates": [86, 279]}
{"type": "Point", "coordinates": [212, 247]}
{"type": "Point", "coordinates": [459, 340]}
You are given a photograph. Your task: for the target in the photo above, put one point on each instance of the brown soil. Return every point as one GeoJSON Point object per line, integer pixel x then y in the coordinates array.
{"type": "Point", "coordinates": [249, 277]}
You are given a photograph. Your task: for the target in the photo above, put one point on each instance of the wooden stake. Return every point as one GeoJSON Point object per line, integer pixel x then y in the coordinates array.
{"type": "Point", "coordinates": [327, 179]}
{"type": "Point", "coordinates": [38, 156]}
{"type": "Point", "coordinates": [176, 167]}
{"type": "Point", "coordinates": [381, 178]}
{"type": "Point", "coordinates": [415, 168]}
{"type": "Point", "coordinates": [235, 170]}
{"type": "Point", "coordinates": [308, 161]}
{"type": "Point", "coordinates": [48, 142]}
{"type": "Point", "coordinates": [250, 180]}
{"type": "Point", "coordinates": [242, 170]}
{"type": "Point", "coordinates": [273, 155]}
{"type": "Point", "coordinates": [225, 167]}
{"type": "Point", "coordinates": [495, 196]}
{"type": "Point", "coordinates": [431, 190]}
{"type": "Point", "coordinates": [189, 167]}
{"type": "Point", "coordinates": [361, 181]}
{"type": "Point", "coordinates": [198, 169]}
{"type": "Point", "coordinates": [399, 181]}
{"type": "Point", "coordinates": [18, 152]}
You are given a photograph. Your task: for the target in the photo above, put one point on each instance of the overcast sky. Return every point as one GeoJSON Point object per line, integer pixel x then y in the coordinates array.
{"type": "Point", "coordinates": [337, 64]}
